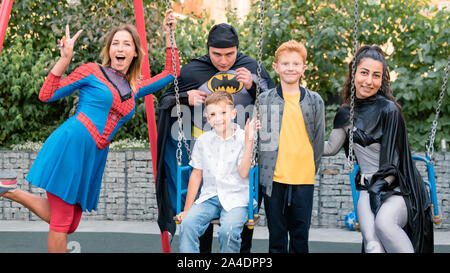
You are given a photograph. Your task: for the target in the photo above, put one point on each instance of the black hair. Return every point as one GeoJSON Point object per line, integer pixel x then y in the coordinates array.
{"type": "Point", "coordinates": [376, 53]}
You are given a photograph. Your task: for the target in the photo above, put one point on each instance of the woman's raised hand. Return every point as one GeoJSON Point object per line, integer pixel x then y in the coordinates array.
{"type": "Point", "coordinates": [66, 49]}
{"type": "Point", "coordinates": [67, 43]}
{"type": "Point", "coordinates": [169, 19]}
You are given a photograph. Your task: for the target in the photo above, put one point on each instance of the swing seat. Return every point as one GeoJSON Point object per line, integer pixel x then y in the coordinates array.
{"type": "Point", "coordinates": [253, 217]}
{"type": "Point", "coordinates": [431, 183]}
{"type": "Point", "coordinates": [355, 195]}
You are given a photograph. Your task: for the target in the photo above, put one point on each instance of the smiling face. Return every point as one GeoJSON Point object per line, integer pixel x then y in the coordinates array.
{"type": "Point", "coordinates": [290, 67]}
{"type": "Point", "coordinates": [368, 78]}
{"type": "Point", "coordinates": [220, 116]}
{"type": "Point", "coordinates": [223, 58]}
{"type": "Point", "coordinates": [122, 51]}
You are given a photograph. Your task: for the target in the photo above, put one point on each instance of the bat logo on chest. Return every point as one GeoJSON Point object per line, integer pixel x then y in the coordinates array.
{"type": "Point", "coordinates": [225, 82]}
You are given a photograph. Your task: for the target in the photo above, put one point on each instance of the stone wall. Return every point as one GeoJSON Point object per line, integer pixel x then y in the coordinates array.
{"type": "Point", "coordinates": [128, 189]}
{"type": "Point", "coordinates": [127, 193]}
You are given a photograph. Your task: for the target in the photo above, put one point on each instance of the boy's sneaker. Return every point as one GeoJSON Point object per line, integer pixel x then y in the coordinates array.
{"type": "Point", "coordinates": [8, 181]}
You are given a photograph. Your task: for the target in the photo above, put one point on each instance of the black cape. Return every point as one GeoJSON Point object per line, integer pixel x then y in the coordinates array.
{"type": "Point", "coordinates": [378, 119]}
{"type": "Point", "coordinates": [192, 76]}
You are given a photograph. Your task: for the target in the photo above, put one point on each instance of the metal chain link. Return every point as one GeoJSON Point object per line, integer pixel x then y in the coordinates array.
{"type": "Point", "coordinates": [351, 157]}
{"type": "Point", "coordinates": [258, 83]}
{"type": "Point", "coordinates": [181, 136]}
{"type": "Point", "coordinates": [429, 144]}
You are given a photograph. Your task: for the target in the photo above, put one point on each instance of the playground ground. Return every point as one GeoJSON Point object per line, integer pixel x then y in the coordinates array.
{"type": "Point", "coordinates": [144, 237]}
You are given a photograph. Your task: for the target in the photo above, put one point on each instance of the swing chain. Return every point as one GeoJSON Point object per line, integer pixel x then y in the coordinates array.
{"type": "Point", "coordinates": [429, 144]}
{"type": "Point", "coordinates": [351, 157]}
{"type": "Point", "coordinates": [181, 136]}
{"type": "Point", "coordinates": [258, 83]}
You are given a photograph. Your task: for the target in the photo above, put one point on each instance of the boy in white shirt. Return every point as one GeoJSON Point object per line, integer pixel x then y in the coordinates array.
{"type": "Point", "coordinates": [221, 157]}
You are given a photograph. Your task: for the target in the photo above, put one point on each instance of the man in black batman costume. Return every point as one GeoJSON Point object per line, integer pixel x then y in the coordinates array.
{"type": "Point", "coordinates": [223, 68]}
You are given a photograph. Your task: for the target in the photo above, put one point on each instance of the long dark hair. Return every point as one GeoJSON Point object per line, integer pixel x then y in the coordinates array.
{"type": "Point", "coordinates": [376, 53]}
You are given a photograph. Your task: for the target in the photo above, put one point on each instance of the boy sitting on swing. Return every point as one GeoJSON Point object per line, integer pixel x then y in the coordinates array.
{"type": "Point", "coordinates": [221, 157]}
{"type": "Point", "coordinates": [291, 145]}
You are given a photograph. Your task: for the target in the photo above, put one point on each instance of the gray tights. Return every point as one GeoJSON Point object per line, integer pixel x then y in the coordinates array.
{"type": "Point", "coordinates": [384, 232]}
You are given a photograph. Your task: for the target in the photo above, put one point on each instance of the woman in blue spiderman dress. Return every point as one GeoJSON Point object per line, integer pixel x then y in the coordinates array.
{"type": "Point", "coordinates": [71, 162]}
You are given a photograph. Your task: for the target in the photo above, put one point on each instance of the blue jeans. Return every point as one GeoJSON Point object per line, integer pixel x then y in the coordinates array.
{"type": "Point", "coordinates": [198, 218]}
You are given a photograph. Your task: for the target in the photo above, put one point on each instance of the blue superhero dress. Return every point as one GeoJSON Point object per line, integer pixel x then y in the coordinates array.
{"type": "Point", "coordinates": [71, 162]}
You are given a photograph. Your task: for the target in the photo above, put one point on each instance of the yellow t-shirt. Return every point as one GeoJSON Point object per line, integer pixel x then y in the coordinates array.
{"type": "Point", "coordinates": [295, 162]}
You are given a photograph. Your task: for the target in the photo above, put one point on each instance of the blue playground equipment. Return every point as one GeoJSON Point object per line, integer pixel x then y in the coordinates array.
{"type": "Point", "coordinates": [253, 195]}
{"type": "Point", "coordinates": [355, 195]}
{"type": "Point", "coordinates": [431, 183]}
{"type": "Point", "coordinates": [351, 220]}
{"type": "Point", "coordinates": [180, 191]}
{"type": "Point", "coordinates": [253, 216]}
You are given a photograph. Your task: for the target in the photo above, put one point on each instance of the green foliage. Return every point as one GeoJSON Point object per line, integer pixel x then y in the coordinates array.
{"type": "Point", "coordinates": [416, 47]}
{"type": "Point", "coordinates": [40, 24]}
{"type": "Point", "coordinates": [22, 72]}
